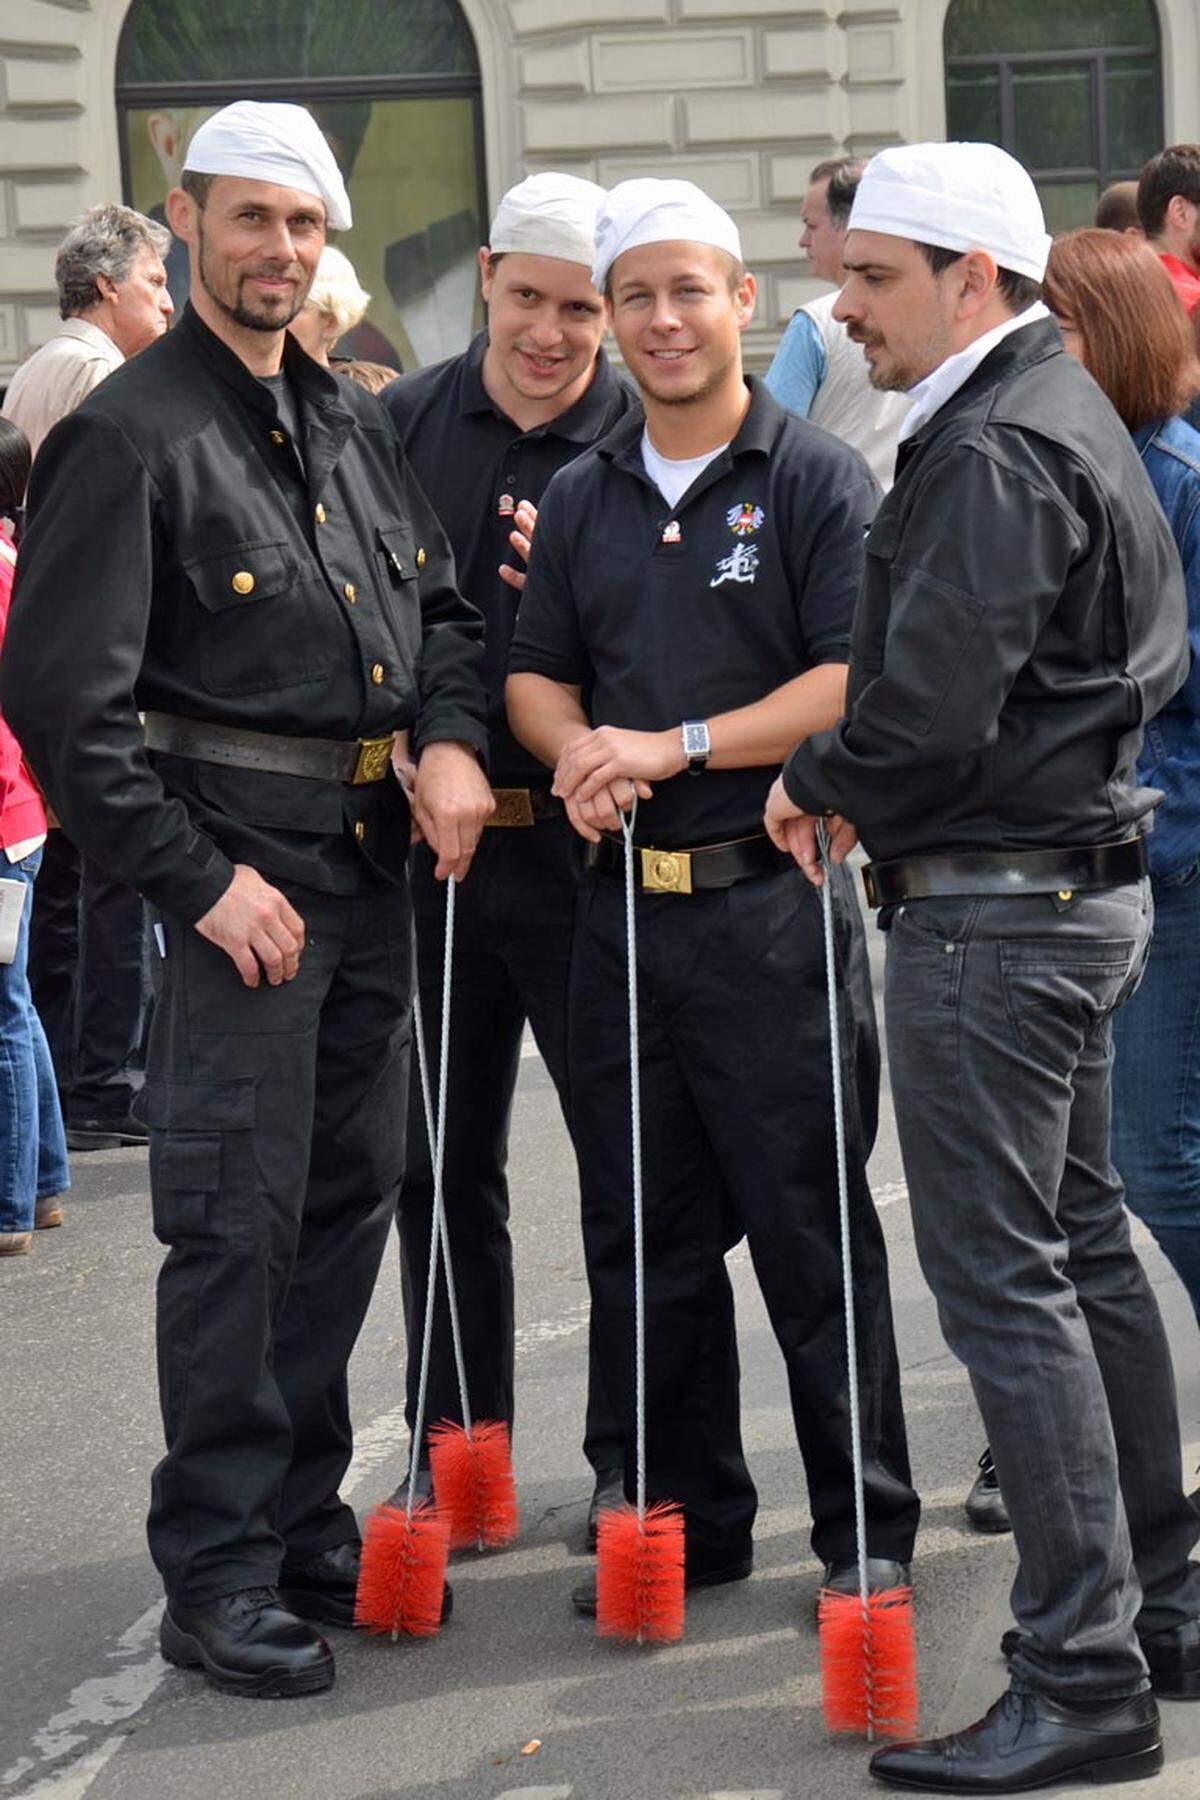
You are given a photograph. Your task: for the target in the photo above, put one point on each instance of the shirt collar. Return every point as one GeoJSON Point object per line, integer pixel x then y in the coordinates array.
{"type": "Point", "coordinates": [316, 385]}
{"type": "Point", "coordinates": [581, 422]}
{"type": "Point", "coordinates": [756, 435]}
{"type": "Point", "coordinates": [87, 333]}
{"type": "Point", "coordinates": [931, 394]}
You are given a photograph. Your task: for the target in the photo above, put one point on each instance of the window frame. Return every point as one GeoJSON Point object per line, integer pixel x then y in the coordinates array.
{"type": "Point", "coordinates": [1098, 58]}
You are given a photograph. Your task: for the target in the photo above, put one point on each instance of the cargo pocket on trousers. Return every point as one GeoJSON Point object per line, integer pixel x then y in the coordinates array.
{"type": "Point", "coordinates": [202, 1166]}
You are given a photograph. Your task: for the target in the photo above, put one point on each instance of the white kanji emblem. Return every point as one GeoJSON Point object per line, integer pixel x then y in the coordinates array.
{"type": "Point", "coordinates": [740, 565]}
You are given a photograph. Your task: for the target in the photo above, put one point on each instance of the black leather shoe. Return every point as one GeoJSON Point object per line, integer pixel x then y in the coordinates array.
{"type": "Point", "coordinates": [699, 1574]}
{"type": "Point", "coordinates": [106, 1134]}
{"type": "Point", "coordinates": [324, 1587]}
{"type": "Point", "coordinates": [984, 1506]}
{"type": "Point", "coordinates": [248, 1644]}
{"type": "Point", "coordinates": [1173, 1658]}
{"type": "Point", "coordinates": [424, 1491]}
{"type": "Point", "coordinates": [609, 1491]}
{"type": "Point", "coordinates": [1030, 1741]}
{"type": "Point", "coordinates": [882, 1573]}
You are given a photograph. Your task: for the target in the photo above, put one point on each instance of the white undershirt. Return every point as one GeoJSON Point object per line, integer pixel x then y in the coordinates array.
{"type": "Point", "coordinates": [931, 394]}
{"type": "Point", "coordinates": [671, 478]}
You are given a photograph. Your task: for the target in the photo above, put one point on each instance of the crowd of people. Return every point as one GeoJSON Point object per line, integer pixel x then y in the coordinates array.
{"type": "Point", "coordinates": [933, 583]}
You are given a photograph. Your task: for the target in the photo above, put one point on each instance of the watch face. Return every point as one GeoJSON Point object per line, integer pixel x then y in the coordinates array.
{"type": "Point", "coordinates": [695, 740]}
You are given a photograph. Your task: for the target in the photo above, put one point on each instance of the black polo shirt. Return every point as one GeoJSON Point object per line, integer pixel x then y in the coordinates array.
{"type": "Point", "coordinates": [662, 616]}
{"type": "Point", "coordinates": [475, 465]}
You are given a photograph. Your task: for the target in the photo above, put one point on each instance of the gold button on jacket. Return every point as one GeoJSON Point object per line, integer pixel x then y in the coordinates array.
{"type": "Point", "coordinates": [377, 674]}
{"type": "Point", "coordinates": [319, 513]}
{"type": "Point", "coordinates": [243, 582]}
{"type": "Point", "coordinates": [351, 592]}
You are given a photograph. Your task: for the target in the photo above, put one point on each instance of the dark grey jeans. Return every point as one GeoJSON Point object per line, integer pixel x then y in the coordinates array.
{"type": "Point", "coordinates": [1000, 1039]}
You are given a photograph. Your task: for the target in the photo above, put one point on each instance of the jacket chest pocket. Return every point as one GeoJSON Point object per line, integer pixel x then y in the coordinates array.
{"type": "Point", "coordinates": [399, 562]}
{"type": "Point", "coordinates": [262, 622]}
{"type": "Point", "coordinates": [868, 629]}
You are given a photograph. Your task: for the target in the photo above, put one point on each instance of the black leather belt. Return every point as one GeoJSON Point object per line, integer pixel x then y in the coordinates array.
{"type": "Point", "coordinates": [317, 759]}
{"type": "Point", "coordinates": [684, 871]}
{"type": "Point", "coordinates": [969, 872]}
{"type": "Point", "coordinates": [523, 806]}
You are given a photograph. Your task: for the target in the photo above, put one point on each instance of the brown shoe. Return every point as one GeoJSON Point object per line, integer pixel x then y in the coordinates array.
{"type": "Point", "coordinates": [15, 1243]}
{"type": "Point", "coordinates": [48, 1213]}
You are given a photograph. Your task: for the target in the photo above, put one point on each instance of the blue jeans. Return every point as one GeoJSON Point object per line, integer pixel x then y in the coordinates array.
{"type": "Point", "coordinates": [1156, 1082]}
{"type": "Point", "coordinates": [33, 1149]}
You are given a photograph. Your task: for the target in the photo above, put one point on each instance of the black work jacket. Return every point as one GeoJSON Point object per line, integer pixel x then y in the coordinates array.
{"type": "Point", "coordinates": [476, 465]}
{"type": "Point", "coordinates": [1022, 615]}
{"type": "Point", "coordinates": [181, 557]}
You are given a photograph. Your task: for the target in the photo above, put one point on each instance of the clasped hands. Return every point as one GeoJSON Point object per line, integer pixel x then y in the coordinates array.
{"type": "Point", "coordinates": [599, 772]}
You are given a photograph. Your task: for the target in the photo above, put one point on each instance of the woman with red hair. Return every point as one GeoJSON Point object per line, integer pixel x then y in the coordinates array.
{"type": "Point", "coordinates": [1119, 316]}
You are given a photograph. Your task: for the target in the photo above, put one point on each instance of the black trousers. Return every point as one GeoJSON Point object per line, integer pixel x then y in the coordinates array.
{"type": "Point", "coordinates": [276, 1153]}
{"type": "Point", "coordinates": [88, 975]}
{"type": "Point", "coordinates": [736, 1112]}
{"type": "Point", "coordinates": [514, 922]}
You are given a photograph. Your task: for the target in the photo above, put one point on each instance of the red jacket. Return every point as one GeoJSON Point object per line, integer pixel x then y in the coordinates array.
{"type": "Point", "coordinates": [22, 814]}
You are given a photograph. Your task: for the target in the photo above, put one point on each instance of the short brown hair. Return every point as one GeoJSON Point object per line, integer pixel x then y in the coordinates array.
{"type": "Point", "coordinates": [196, 187]}
{"type": "Point", "coordinates": [1117, 208]}
{"type": "Point", "coordinates": [843, 173]}
{"type": "Point", "coordinates": [1137, 343]}
{"type": "Point", "coordinates": [1175, 170]}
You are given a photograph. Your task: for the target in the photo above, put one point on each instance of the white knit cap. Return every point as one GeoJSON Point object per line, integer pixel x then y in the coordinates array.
{"type": "Point", "coordinates": [270, 141]}
{"type": "Point", "coordinates": [961, 196]}
{"type": "Point", "coordinates": [649, 211]}
{"type": "Point", "coordinates": [548, 215]}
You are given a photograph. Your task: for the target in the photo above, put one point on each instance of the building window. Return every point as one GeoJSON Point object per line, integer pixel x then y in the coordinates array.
{"type": "Point", "coordinates": [395, 86]}
{"type": "Point", "coordinates": [1074, 92]}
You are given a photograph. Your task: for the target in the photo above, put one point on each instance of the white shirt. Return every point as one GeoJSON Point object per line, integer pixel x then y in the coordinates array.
{"type": "Point", "coordinates": [930, 395]}
{"type": "Point", "coordinates": [671, 477]}
{"type": "Point", "coordinates": [55, 377]}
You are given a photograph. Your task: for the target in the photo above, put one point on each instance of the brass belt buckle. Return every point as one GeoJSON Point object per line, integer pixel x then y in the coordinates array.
{"type": "Point", "coordinates": [666, 871]}
{"type": "Point", "coordinates": [514, 806]}
{"type": "Point", "coordinates": [374, 759]}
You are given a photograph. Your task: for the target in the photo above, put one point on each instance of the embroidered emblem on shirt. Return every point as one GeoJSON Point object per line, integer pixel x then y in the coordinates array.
{"type": "Point", "coordinates": [740, 565]}
{"type": "Point", "coordinates": [745, 518]}
{"type": "Point", "coordinates": [506, 506]}
{"type": "Point", "coordinates": [671, 533]}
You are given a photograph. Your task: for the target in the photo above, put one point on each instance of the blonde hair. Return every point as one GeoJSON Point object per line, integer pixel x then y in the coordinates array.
{"type": "Point", "coordinates": [336, 290]}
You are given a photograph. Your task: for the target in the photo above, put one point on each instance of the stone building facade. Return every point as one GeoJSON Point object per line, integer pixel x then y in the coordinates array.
{"type": "Point", "coordinates": [742, 96]}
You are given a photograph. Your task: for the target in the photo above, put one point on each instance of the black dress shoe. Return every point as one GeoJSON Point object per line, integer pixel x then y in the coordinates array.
{"type": "Point", "coordinates": [423, 1486]}
{"type": "Point", "coordinates": [247, 1644]}
{"type": "Point", "coordinates": [984, 1505]}
{"type": "Point", "coordinates": [1173, 1658]}
{"type": "Point", "coordinates": [324, 1587]}
{"type": "Point", "coordinates": [699, 1573]}
{"type": "Point", "coordinates": [841, 1577]}
{"type": "Point", "coordinates": [105, 1133]}
{"type": "Point", "coordinates": [609, 1491]}
{"type": "Point", "coordinates": [1031, 1741]}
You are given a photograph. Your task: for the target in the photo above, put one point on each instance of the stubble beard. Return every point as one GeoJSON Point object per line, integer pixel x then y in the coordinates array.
{"type": "Point", "coordinates": [706, 386]}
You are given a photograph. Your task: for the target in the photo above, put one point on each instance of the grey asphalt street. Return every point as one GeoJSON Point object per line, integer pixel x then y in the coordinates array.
{"type": "Point", "coordinates": [515, 1699]}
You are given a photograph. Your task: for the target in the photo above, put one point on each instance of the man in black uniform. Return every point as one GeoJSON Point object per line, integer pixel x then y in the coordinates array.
{"type": "Point", "coordinates": [1022, 615]}
{"type": "Point", "coordinates": [484, 433]}
{"type": "Point", "coordinates": [685, 621]}
{"type": "Point", "coordinates": [269, 587]}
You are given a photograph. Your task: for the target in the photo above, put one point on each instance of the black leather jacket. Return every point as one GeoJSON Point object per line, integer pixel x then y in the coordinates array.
{"type": "Point", "coordinates": [180, 557]}
{"type": "Point", "coordinates": [1022, 616]}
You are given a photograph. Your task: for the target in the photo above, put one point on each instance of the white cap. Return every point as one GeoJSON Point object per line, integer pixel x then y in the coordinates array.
{"type": "Point", "coordinates": [270, 141]}
{"type": "Point", "coordinates": [961, 196]}
{"type": "Point", "coordinates": [548, 215]}
{"type": "Point", "coordinates": [649, 211]}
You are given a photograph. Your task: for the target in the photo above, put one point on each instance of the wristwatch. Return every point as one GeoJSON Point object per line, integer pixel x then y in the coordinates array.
{"type": "Point", "coordinates": [696, 745]}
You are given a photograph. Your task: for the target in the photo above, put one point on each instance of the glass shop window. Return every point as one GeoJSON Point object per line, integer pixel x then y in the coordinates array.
{"type": "Point", "coordinates": [395, 87]}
